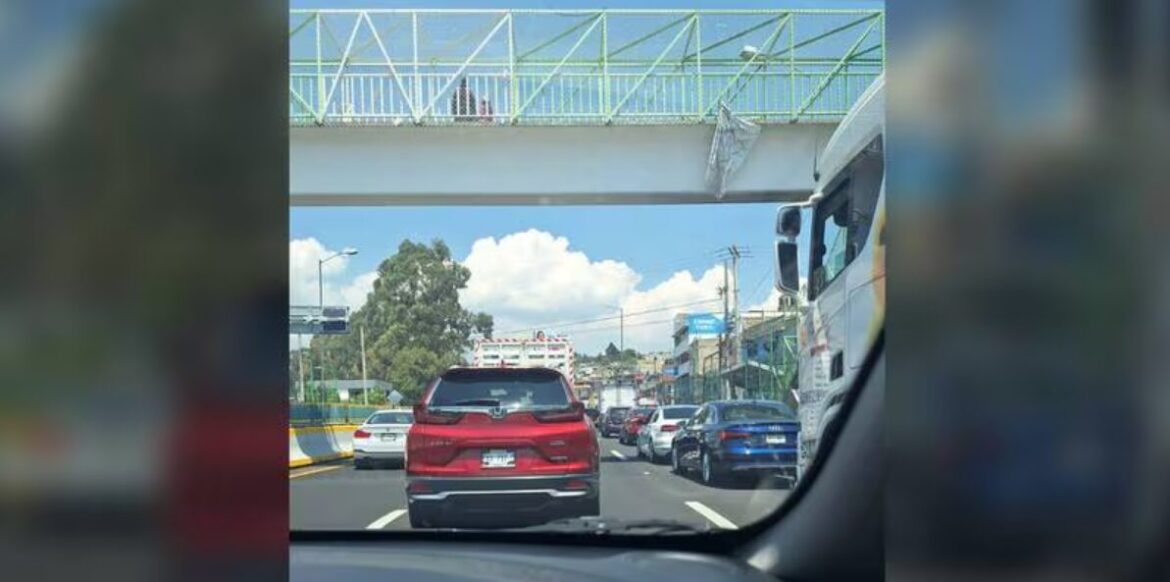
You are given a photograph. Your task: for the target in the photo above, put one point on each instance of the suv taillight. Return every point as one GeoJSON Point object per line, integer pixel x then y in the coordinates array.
{"type": "Point", "coordinates": [424, 415]}
{"type": "Point", "coordinates": [360, 434]}
{"type": "Point", "coordinates": [575, 411]}
{"type": "Point", "coordinates": [668, 428]}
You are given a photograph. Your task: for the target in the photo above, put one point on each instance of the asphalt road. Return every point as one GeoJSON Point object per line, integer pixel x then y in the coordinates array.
{"type": "Point", "coordinates": [336, 496]}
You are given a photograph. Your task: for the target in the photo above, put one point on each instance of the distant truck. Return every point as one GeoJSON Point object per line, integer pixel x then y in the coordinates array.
{"type": "Point", "coordinates": [538, 351]}
{"type": "Point", "coordinates": [620, 395]}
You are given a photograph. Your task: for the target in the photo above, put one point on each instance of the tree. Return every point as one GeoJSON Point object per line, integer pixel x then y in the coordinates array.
{"type": "Point", "coordinates": [611, 351]}
{"type": "Point", "coordinates": [414, 324]}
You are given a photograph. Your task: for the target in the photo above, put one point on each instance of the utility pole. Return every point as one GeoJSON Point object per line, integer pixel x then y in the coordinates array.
{"type": "Point", "coordinates": [723, 336]}
{"type": "Point", "coordinates": [301, 363]}
{"type": "Point", "coordinates": [622, 328]}
{"type": "Point", "coordinates": [365, 387]}
{"type": "Point", "coordinates": [738, 343]}
{"type": "Point", "coordinates": [731, 340]}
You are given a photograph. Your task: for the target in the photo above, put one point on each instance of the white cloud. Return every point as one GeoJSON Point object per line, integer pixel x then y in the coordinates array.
{"type": "Point", "coordinates": [339, 288]}
{"type": "Point", "coordinates": [531, 275]}
{"type": "Point", "coordinates": [533, 279]}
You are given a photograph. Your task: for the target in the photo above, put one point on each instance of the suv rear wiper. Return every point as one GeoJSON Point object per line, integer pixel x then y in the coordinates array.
{"type": "Point", "coordinates": [601, 526]}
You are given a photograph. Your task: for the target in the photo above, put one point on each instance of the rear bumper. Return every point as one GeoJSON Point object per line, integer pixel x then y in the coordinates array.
{"type": "Point", "coordinates": [541, 497]}
{"type": "Point", "coordinates": [379, 455]}
{"type": "Point", "coordinates": [783, 460]}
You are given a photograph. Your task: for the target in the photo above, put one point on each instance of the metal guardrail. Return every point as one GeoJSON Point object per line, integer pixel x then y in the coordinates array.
{"type": "Point", "coordinates": [578, 67]}
{"type": "Point", "coordinates": [317, 414]}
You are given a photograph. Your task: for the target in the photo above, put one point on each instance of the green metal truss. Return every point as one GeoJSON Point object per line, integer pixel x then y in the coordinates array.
{"type": "Point", "coordinates": [579, 67]}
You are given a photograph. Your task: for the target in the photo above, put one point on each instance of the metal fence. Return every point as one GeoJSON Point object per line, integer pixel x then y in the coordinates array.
{"type": "Point", "coordinates": [406, 66]}
{"type": "Point", "coordinates": [313, 414]}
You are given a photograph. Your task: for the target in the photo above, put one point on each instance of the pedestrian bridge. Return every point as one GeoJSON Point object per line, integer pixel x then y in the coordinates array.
{"type": "Point", "coordinates": [405, 106]}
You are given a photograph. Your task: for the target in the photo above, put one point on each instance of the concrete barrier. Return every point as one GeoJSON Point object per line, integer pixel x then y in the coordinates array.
{"type": "Point", "coordinates": [317, 444]}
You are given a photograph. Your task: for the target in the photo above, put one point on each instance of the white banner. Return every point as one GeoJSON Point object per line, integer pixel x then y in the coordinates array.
{"type": "Point", "coordinates": [734, 138]}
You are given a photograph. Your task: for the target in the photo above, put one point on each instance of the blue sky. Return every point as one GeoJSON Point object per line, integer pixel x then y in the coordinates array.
{"type": "Point", "coordinates": [655, 241]}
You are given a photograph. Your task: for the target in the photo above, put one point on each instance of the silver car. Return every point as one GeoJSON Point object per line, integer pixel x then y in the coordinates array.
{"type": "Point", "coordinates": [382, 437]}
{"type": "Point", "coordinates": [657, 434]}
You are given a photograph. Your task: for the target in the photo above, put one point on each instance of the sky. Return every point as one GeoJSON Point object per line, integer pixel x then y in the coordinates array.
{"type": "Point", "coordinates": [552, 267]}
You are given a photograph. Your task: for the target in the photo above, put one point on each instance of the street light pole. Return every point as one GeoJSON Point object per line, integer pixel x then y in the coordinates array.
{"type": "Point", "coordinates": [348, 252]}
{"type": "Point", "coordinates": [365, 388]}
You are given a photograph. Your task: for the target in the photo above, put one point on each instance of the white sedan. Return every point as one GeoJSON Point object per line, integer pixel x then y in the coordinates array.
{"type": "Point", "coordinates": [655, 437]}
{"type": "Point", "coordinates": [382, 437]}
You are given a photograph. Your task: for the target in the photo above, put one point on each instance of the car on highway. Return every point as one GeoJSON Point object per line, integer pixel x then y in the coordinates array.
{"type": "Point", "coordinates": [633, 423]}
{"type": "Point", "coordinates": [657, 435]}
{"type": "Point", "coordinates": [500, 446]}
{"type": "Point", "coordinates": [737, 437]}
{"type": "Point", "coordinates": [594, 415]}
{"type": "Point", "coordinates": [381, 437]}
{"type": "Point", "coordinates": [612, 420]}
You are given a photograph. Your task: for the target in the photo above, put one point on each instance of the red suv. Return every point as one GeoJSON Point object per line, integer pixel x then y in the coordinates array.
{"type": "Point", "coordinates": [492, 446]}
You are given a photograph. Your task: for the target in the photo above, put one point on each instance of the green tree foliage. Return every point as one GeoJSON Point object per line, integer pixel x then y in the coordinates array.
{"type": "Point", "coordinates": [414, 324]}
{"type": "Point", "coordinates": [611, 351]}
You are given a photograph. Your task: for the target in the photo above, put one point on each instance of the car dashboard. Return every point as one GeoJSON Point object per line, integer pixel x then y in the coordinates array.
{"type": "Point", "coordinates": [425, 561]}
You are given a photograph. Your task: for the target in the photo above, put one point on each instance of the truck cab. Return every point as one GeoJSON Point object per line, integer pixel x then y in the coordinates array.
{"type": "Point", "coordinates": [830, 256]}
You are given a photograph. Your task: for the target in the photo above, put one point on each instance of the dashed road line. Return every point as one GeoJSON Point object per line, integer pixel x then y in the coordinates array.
{"type": "Point", "coordinates": [308, 472]}
{"type": "Point", "coordinates": [385, 520]}
{"type": "Point", "coordinates": [618, 455]}
{"type": "Point", "coordinates": [711, 515]}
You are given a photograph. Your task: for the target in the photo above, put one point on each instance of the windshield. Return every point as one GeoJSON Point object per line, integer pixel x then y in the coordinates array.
{"type": "Point", "coordinates": [680, 412]}
{"type": "Point", "coordinates": [500, 391]}
{"type": "Point", "coordinates": [734, 412]}
{"type": "Point", "coordinates": [544, 266]}
{"type": "Point", "coordinates": [391, 418]}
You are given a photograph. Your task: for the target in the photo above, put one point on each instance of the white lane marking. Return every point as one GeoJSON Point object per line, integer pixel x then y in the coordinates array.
{"type": "Point", "coordinates": [385, 520]}
{"type": "Point", "coordinates": [618, 455]}
{"type": "Point", "coordinates": [711, 515]}
{"type": "Point", "coordinates": [308, 472]}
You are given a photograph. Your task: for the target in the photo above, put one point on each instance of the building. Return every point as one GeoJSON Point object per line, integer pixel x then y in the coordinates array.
{"type": "Point", "coordinates": [555, 352]}
{"type": "Point", "coordinates": [696, 338]}
{"type": "Point", "coordinates": [766, 366]}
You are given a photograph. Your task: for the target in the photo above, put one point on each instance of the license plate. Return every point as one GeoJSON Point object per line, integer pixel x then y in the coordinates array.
{"type": "Point", "coordinates": [498, 459]}
{"type": "Point", "coordinates": [774, 439]}
{"type": "Point", "coordinates": [389, 437]}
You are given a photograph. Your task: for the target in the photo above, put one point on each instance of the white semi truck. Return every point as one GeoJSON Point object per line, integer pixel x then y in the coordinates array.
{"type": "Point", "coordinates": [841, 262]}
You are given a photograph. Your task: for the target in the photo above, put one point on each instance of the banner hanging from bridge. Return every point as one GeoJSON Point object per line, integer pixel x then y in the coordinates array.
{"type": "Point", "coordinates": [734, 138]}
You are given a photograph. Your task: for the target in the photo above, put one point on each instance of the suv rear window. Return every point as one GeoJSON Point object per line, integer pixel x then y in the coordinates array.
{"type": "Point", "coordinates": [500, 389]}
{"type": "Point", "coordinates": [617, 412]}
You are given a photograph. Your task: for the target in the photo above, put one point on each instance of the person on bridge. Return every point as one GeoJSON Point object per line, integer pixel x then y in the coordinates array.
{"type": "Point", "coordinates": [485, 111]}
{"type": "Point", "coordinates": [463, 102]}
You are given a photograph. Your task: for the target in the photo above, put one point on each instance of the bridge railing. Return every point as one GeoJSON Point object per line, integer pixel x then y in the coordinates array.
{"type": "Point", "coordinates": [406, 67]}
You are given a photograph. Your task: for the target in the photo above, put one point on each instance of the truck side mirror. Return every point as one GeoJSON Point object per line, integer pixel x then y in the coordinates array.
{"type": "Point", "coordinates": [787, 270]}
{"type": "Point", "coordinates": [788, 222]}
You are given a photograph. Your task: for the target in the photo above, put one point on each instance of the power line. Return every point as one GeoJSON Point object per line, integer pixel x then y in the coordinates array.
{"type": "Point", "coordinates": [600, 319]}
